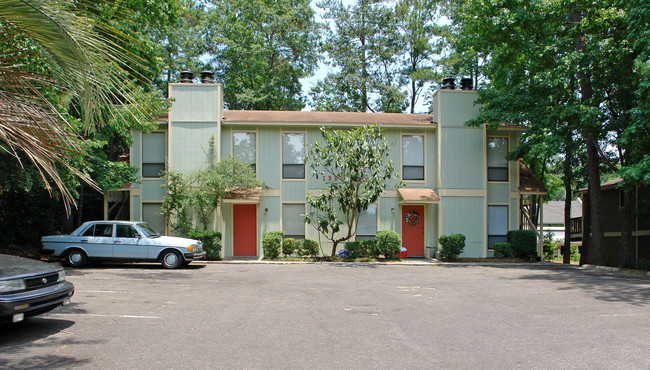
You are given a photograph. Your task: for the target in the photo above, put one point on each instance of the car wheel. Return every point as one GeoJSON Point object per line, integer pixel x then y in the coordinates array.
{"type": "Point", "coordinates": [76, 258]}
{"type": "Point", "coordinates": [171, 259]}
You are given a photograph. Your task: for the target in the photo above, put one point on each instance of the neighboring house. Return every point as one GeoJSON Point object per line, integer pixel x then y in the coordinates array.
{"type": "Point", "coordinates": [457, 178]}
{"type": "Point", "coordinates": [553, 222]}
{"type": "Point", "coordinates": [612, 200]}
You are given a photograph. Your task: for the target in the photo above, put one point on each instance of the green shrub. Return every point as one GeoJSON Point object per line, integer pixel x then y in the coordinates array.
{"type": "Point", "coordinates": [211, 241]}
{"type": "Point", "coordinates": [307, 248]}
{"type": "Point", "coordinates": [523, 243]}
{"type": "Point", "coordinates": [388, 244]}
{"type": "Point", "coordinates": [272, 244]}
{"type": "Point", "coordinates": [451, 246]}
{"type": "Point", "coordinates": [575, 253]}
{"type": "Point", "coordinates": [356, 249]}
{"type": "Point", "coordinates": [550, 247]}
{"type": "Point", "coordinates": [502, 250]}
{"type": "Point", "coordinates": [288, 246]}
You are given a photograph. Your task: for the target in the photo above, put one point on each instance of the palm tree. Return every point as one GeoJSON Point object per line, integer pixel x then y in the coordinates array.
{"type": "Point", "coordinates": [48, 52]}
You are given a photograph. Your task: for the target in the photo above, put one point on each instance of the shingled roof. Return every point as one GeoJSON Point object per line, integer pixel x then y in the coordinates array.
{"type": "Point", "coordinates": [528, 182]}
{"type": "Point", "coordinates": [331, 118]}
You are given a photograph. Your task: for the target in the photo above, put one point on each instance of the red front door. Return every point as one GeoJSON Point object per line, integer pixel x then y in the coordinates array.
{"type": "Point", "coordinates": [413, 230]}
{"type": "Point", "coordinates": [244, 230]}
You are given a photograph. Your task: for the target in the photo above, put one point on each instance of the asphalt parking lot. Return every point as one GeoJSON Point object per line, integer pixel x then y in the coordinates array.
{"type": "Point", "coordinates": [339, 316]}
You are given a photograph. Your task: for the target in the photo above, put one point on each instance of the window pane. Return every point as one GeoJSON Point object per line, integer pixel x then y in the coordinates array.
{"type": "Point", "coordinates": [293, 148]}
{"type": "Point", "coordinates": [413, 172]}
{"type": "Point", "coordinates": [413, 150]}
{"type": "Point", "coordinates": [150, 215]}
{"type": "Point", "coordinates": [497, 174]}
{"type": "Point", "coordinates": [497, 149]}
{"type": "Point", "coordinates": [293, 220]}
{"type": "Point", "coordinates": [152, 169]}
{"type": "Point", "coordinates": [367, 223]}
{"type": "Point", "coordinates": [244, 146]}
{"type": "Point", "coordinates": [125, 231]}
{"type": "Point", "coordinates": [492, 240]}
{"type": "Point", "coordinates": [153, 147]}
{"type": "Point", "coordinates": [103, 230]}
{"type": "Point", "coordinates": [153, 154]}
{"type": "Point", "coordinates": [497, 220]}
{"type": "Point", "coordinates": [89, 231]}
{"type": "Point", "coordinates": [293, 171]}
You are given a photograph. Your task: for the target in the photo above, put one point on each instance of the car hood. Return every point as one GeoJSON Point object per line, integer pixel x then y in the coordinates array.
{"type": "Point", "coordinates": [17, 266]}
{"type": "Point", "coordinates": [172, 241]}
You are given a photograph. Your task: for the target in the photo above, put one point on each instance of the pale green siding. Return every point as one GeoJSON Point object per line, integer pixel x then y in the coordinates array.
{"type": "Point", "coordinates": [457, 107]}
{"type": "Point", "coordinates": [465, 215]}
{"type": "Point", "coordinates": [226, 141]}
{"type": "Point", "coordinates": [189, 145]}
{"type": "Point", "coordinates": [461, 158]}
{"type": "Point", "coordinates": [269, 156]}
{"type": "Point", "coordinates": [135, 208]}
{"type": "Point", "coordinates": [498, 193]}
{"type": "Point", "coordinates": [135, 154]}
{"type": "Point", "coordinates": [152, 190]}
{"type": "Point", "coordinates": [293, 191]}
{"type": "Point", "coordinates": [195, 102]}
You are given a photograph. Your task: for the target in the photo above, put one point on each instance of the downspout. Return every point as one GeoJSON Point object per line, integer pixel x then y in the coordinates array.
{"type": "Point", "coordinates": [540, 241]}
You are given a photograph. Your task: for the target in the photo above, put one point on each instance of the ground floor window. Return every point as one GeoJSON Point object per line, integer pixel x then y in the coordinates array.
{"type": "Point", "coordinates": [367, 223]}
{"type": "Point", "coordinates": [293, 221]}
{"type": "Point", "coordinates": [497, 225]}
{"type": "Point", "coordinates": [151, 216]}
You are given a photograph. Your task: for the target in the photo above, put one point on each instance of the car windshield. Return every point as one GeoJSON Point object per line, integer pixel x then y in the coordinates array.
{"type": "Point", "coordinates": [148, 231]}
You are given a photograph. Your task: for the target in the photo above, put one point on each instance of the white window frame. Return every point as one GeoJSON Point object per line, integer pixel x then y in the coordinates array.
{"type": "Point", "coordinates": [232, 136]}
{"type": "Point", "coordinates": [501, 167]}
{"type": "Point", "coordinates": [424, 156]}
{"type": "Point", "coordinates": [304, 165]}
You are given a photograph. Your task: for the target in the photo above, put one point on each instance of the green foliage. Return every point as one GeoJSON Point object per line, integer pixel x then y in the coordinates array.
{"type": "Point", "coordinates": [523, 243]}
{"type": "Point", "coordinates": [307, 248]}
{"type": "Point", "coordinates": [201, 192]}
{"type": "Point", "coordinates": [389, 244]}
{"type": "Point", "coordinates": [272, 244]}
{"type": "Point", "coordinates": [357, 162]}
{"type": "Point", "coordinates": [262, 49]}
{"type": "Point", "coordinates": [451, 246]}
{"type": "Point", "coordinates": [502, 250]}
{"type": "Point", "coordinates": [360, 248]}
{"type": "Point", "coordinates": [575, 253]}
{"type": "Point", "coordinates": [288, 246]}
{"type": "Point", "coordinates": [550, 247]}
{"type": "Point", "coordinates": [211, 243]}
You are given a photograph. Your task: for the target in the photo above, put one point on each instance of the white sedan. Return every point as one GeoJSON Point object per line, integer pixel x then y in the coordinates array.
{"type": "Point", "coordinates": [122, 240]}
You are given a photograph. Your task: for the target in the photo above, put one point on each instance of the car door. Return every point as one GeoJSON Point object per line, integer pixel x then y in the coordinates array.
{"type": "Point", "coordinates": [128, 244]}
{"type": "Point", "coordinates": [97, 240]}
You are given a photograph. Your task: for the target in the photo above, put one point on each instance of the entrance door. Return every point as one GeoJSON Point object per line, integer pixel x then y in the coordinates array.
{"type": "Point", "coordinates": [413, 230]}
{"type": "Point", "coordinates": [244, 230]}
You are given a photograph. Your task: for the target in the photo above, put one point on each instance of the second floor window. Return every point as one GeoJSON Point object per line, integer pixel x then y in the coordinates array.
{"type": "Point", "coordinates": [243, 144]}
{"type": "Point", "coordinates": [497, 149]}
{"type": "Point", "coordinates": [153, 154]}
{"type": "Point", "coordinates": [293, 156]}
{"type": "Point", "coordinates": [413, 157]}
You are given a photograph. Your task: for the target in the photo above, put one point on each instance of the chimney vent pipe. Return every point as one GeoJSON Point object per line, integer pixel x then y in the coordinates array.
{"type": "Point", "coordinates": [467, 84]}
{"type": "Point", "coordinates": [207, 77]}
{"type": "Point", "coordinates": [448, 84]}
{"type": "Point", "coordinates": [187, 77]}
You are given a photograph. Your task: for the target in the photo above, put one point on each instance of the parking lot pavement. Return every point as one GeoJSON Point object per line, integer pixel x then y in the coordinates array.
{"type": "Point", "coordinates": [339, 316]}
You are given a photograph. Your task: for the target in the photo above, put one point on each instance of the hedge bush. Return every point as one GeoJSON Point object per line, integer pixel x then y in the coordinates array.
{"type": "Point", "coordinates": [451, 246]}
{"type": "Point", "coordinates": [288, 246]}
{"type": "Point", "coordinates": [523, 243]}
{"type": "Point", "coordinates": [211, 241]}
{"type": "Point", "coordinates": [502, 250]}
{"type": "Point", "coordinates": [272, 244]}
{"type": "Point", "coordinates": [307, 248]}
{"type": "Point", "coordinates": [358, 249]}
{"type": "Point", "coordinates": [388, 244]}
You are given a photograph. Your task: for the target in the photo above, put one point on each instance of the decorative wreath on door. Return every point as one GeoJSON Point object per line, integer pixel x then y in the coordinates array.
{"type": "Point", "coordinates": [412, 218]}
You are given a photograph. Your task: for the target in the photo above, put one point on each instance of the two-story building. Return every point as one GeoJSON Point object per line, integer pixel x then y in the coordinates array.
{"type": "Point", "coordinates": [457, 177]}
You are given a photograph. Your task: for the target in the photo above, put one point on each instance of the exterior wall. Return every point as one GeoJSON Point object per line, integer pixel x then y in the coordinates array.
{"type": "Point", "coordinates": [454, 166]}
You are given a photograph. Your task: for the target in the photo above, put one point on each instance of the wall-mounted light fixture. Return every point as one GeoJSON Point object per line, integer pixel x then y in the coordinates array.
{"type": "Point", "coordinates": [392, 211]}
{"type": "Point", "coordinates": [266, 211]}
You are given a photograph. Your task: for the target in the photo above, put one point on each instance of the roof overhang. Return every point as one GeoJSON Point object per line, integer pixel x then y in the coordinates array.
{"type": "Point", "coordinates": [528, 182]}
{"type": "Point", "coordinates": [242, 194]}
{"type": "Point", "coordinates": [418, 196]}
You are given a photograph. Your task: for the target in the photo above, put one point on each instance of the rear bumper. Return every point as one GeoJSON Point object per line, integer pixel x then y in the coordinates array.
{"type": "Point", "coordinates": [34, 302]}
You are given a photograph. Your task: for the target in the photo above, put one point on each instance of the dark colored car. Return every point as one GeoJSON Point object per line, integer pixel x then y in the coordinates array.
{"type": "Point", "coordinates": [29, 287]}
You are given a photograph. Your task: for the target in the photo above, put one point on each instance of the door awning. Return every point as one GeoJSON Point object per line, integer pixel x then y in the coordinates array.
{"type": "Point", "coordinates": [242, 194]}
{"type": "Point", "coordinates": [418, 195]}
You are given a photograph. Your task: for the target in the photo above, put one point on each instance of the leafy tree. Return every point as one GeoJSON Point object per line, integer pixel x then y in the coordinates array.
{"type": "Point", "coordinates": [261, 49]}
{"type": "Point", "coordinates": [419, 30]}
{"type": "Point", "coordinates": [201, 192]}
{"type": "Point", "coordinates": [363, 49]}
{"type": "Point", "coordinates": [357, 162]}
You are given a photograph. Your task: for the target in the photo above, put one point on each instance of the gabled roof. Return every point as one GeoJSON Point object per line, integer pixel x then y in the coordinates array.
{"type": "Point", "coordinates": [329, 118]}
{"type": "Point", "coordinates": [554, 211]}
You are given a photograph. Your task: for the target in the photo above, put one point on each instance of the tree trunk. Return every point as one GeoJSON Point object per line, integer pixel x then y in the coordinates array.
{"type": "Point", "coordinates": [625, 249]}
{"type": "Point", "coordinates": [596, 217]}
{"type": "Point", "coordinates": [585, 256]}
{"type": "Point", "coordinates": [566, 248]}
